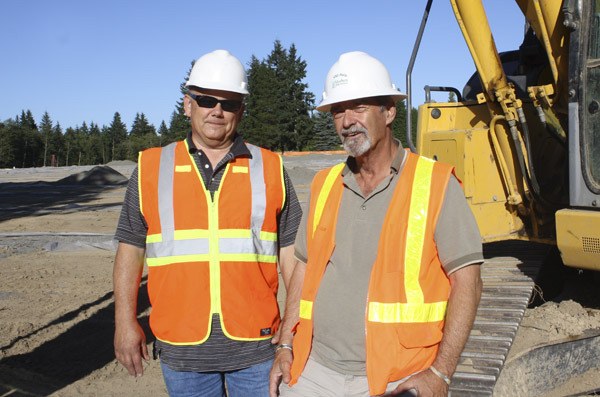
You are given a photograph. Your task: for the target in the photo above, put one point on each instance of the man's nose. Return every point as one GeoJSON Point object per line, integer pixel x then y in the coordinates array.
{"type": "Point", "coordinates": [348, 118]}
{"type": "Point", "coordinates": [218, 109]}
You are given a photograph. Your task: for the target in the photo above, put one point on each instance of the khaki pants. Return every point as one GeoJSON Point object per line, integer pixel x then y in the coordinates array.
{"type": "Point", "coordinates": [319, 381]}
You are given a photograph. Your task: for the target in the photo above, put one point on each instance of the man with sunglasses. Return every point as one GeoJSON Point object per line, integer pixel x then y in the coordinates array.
{"type": "Point", "coordinates": [386, 290]}
{"type": "Point", "coordinates": [212, 217]}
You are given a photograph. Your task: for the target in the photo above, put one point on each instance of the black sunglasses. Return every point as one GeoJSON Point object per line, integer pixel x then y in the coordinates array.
{"type": "Point", "coordinates": [205, 101]}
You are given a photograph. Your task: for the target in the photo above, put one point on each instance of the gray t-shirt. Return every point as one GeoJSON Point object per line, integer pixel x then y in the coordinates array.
{"type": "Point", "coordinates": [340, 305]}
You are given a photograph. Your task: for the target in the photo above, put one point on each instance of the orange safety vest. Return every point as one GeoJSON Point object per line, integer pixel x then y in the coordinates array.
{"type": "Point", "coordinates": [408, 289]}
{"type": "Point", "coordinates": [206, 255]}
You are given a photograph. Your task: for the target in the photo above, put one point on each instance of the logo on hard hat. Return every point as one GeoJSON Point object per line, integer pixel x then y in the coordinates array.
{"type": "Point", "coordinates": [339, 79]}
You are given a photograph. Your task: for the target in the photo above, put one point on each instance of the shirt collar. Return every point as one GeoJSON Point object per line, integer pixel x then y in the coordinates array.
{"type": "Point", "coordinates": [238, 148]}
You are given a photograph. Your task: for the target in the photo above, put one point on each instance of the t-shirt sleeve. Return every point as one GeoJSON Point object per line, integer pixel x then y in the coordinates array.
{"type": "Point", "coordinates": [132, 228]}
{"type": "Point", "coordinates": [290, 215]}
{"type": "Point", "coordinates": [456, 233]}
{"type": "Point", "coordinates": [300, 247]}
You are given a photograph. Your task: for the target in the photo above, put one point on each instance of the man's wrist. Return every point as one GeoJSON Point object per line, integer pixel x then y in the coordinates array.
{"type": "Point", "coordinates": [284, 346]}
{"type": "Point", "coordinates": [440, 374]}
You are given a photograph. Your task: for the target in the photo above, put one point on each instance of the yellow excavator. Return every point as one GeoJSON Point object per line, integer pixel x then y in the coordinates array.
{"type": "Point", "coordinates": [524, 137]}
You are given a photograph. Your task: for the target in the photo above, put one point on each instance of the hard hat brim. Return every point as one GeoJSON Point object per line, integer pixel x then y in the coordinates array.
{"type": "Point", "coordinates": [219, 87]}
{"type": "Point", "coordinates": [325, 105]}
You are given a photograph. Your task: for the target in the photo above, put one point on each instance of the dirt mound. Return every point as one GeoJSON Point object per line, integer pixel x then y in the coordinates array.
{"type": "Point", "coordinates": [563, 319]}
{"type": "Point", "coordinates": [101, 175]}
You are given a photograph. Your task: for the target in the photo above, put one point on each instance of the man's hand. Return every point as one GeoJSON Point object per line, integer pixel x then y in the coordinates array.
{"type": "Point", "coordinates": [130, 347]}
{"type": "Point", "coordinates": [280, 371]}
{"type": "Point", "coordinates": [130, 341]}
{"type": "Point", "coordinates": [275, 338]}
{"type": "Point", "coordinates": [282, 364]}
{"type": "Point", "coordinates": [425, 383]}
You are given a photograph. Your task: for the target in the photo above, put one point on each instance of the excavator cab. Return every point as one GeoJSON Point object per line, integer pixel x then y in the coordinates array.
{"type": "Point", "coordinates": [578, 226]}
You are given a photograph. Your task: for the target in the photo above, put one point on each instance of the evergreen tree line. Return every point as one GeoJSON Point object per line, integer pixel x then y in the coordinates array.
{"type": "Point", "coordinates": [279, 115]}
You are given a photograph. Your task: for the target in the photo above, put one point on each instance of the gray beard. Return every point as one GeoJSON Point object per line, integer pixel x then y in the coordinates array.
{"type": "Point", "coordinates": [358, 145]}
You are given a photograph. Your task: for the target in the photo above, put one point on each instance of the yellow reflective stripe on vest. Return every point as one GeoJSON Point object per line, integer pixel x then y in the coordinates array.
{"type": "Point", "coordinates": [139, 186]}
{"type": "Point", "coordinates": [154, 238]}
{"type": "Point", "coordinates": [169, 260]}
{"type": "Point", "coordinates": [183, 168]}
{"type": "Point", "coordinates": [415, 310]}
{"type": "Point", "coordinates": [324, 193]}
{"type": "Point", "coordinates": [306, 309]}
{"type": "Point", "coordinates": [415, 232]}
{"type": "Point", "coordinates": [406, 312]}
{"type": "Point", "coordinates": [268, 236]}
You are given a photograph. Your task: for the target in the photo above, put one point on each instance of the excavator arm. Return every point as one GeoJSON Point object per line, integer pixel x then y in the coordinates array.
{"type": "Point", "coordinates": [523, 138]}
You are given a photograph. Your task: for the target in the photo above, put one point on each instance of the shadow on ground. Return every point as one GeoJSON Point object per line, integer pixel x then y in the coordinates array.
{"type": "Point", "coordinates": [71, 356]}
{"type": "Point", "coordinates": [70, 194]}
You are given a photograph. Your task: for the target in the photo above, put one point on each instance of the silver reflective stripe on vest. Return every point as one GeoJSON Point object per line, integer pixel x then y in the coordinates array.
{"type": "Point", "coordinates": [178, 248]}
{"type": "Point", "coordinates": [247, 246]}
{"type": "Point", "coordinates": [242, 245]}
{"type": "Point", "coordinates": [166, 173]}
{"type": "Point", "coordinates": [259, 193]}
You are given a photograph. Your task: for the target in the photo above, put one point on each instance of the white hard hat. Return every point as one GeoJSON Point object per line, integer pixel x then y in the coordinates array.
{"type": "Point", "coordinates": [357, 75]}
{"type": "Point", "coordinates": [219, 70]}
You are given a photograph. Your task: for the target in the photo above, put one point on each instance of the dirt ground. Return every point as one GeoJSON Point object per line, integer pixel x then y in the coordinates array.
{"type": "Point", "coordinates": [56, 303]}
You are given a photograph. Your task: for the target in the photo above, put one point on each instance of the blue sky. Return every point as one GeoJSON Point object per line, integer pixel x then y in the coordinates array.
{"type": "Point", "coordinates": [83, 60]}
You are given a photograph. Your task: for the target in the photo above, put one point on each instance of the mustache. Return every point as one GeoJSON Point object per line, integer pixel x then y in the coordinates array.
{"type": "Point", "coordinates": [353, 130]}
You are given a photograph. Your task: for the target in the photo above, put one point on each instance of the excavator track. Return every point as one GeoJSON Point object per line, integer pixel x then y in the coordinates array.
{"type": "Point", "coordinates": [508, 275]}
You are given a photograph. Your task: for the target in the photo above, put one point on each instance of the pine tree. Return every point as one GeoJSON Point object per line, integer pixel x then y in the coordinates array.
{"type": "Point", "coordinates": [57, 142]}
{"type": "Point", "coordinates": [179, 126]}
{"type": "Point", "coordinates": [81, 139]}
{"type": "Point", "coordinates": [399, 124]}
{"type": "Point", "coordinates": [141, 126]}
{"type": "Point", "coordinates": [27, 120]}
{"type": "Point", "coordinates": [299, 101]}
{"type": "Point", "coordinates": [117, 132]}
{"type": "Point", "coordinates": [105, 143]}
{"type": "Point", "coordinates": [142, 136]}
{"type": "Point", "coordinates": [163, 132]}
{"type": "Point", "coordinates": [5, 144]}
{"type": "Point", "coordinates": [260, 122]}
{"type": "Point", "coordinates": [11, 143]}
{"type": "Point", "coordinates": [30, 150]}
{"type": "Point", "coordinates": [46, 131]}
{"type": "Point", "coordinates": [278, 108]}
{"type": "Point", "coordinates": [324, 135]}
{"type": "Point", "coordinates": [93, 146]}
{"type": "Point", "coordinates": [71, 145]}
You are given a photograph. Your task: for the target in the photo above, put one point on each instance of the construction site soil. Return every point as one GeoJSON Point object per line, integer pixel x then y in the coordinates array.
{"type": "Point", "coordinates": [56, 300]}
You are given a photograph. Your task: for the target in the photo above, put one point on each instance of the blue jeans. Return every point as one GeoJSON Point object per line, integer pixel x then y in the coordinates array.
{"type": "Point", "coordinates": [252, 381]}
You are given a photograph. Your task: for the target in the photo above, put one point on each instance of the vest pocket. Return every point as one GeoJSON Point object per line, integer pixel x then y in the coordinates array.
{"type": "Point", "coordinates": [419, 334]}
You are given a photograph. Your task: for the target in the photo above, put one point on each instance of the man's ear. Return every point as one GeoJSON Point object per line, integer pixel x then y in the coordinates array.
{"type": "Point", "coordinates": [390, 114]}
{"type": "Point", "coordinates": [187, 105]}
